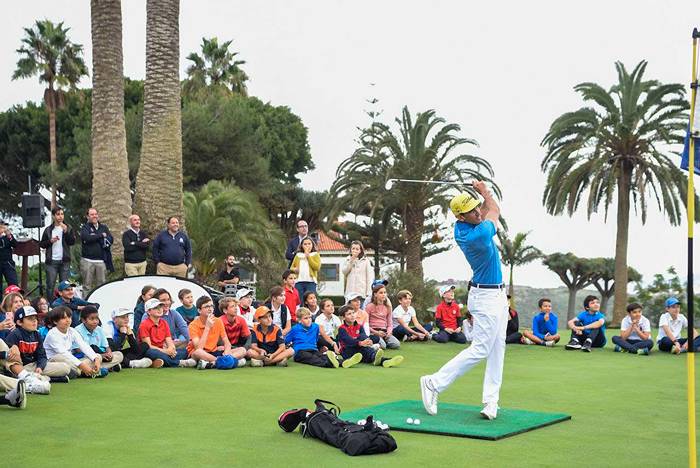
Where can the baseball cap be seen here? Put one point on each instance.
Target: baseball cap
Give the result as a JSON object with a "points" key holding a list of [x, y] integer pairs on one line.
{"points": [[463, 203], [261, 312], [26, 311], [121, 312], [671, 301], [444, 289], [378, 282], [243, 292], [13, 288], [353, 295], [152, 304], [63, 285]]}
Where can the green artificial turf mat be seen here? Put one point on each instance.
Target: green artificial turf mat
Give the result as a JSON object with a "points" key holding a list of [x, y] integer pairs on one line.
{"points": [[456, 420]]}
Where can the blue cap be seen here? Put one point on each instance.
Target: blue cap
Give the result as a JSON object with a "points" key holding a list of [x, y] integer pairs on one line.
{"points": [[671, 301], [226, 362], [378, 282], [63, 285]]}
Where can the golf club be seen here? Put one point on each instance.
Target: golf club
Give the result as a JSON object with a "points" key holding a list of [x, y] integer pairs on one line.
{"points": [[390, 182]]}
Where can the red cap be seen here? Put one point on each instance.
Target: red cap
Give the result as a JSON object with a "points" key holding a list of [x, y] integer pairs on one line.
{"points": [[13, 288]]}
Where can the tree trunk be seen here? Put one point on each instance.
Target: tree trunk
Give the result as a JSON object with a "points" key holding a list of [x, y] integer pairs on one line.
{"points": [[571, 310], [51, 106], [604, 299], [511, 288], [159, 180], [414, 233], [623, 219], [111, 194]]}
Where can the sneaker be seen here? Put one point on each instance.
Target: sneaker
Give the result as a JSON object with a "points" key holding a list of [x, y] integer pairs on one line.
{"points": [[241, 362], [116, 368], [103, 373], [644, 351], [490, 411], [187, 363], [393, 362], [61, 379], [573, 344], [429, 395], [282, 363], [352, 360], [157, 364], [586, 348], [378, 357], [201, 364], [333, 359], [37, 386], [617, 349], [140, 363], [256, 363], [549, 343], [17, 397], [526, 340]]}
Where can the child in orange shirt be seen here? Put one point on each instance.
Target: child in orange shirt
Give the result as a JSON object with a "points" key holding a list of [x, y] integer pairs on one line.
{"points": [[205, 333]]}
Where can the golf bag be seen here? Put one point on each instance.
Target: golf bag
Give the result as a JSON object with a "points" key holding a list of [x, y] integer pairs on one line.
{"points": [[324, 424]]}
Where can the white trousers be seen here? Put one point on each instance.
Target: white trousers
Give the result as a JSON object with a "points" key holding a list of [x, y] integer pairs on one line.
{"points": [[489, 307]]}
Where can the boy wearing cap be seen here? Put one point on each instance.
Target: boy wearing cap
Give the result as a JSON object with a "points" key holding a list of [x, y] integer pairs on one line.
{"points": [[671, 325], [447, 318], [303, 338], [267, 347], [588, 327], [354, 300], [245, 299], [281, 314], [92, 333], [176, 324], [121, 337], [66, 297], [291, 295], [206, 332], [235, 326], [33, 366], [155, 332], [635, 332]]}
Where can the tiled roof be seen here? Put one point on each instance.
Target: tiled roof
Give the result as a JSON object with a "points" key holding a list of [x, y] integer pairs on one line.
{"points": [[326, 244]]}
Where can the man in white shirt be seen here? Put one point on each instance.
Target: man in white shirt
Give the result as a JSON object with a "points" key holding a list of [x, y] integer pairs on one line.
{"points": [[56, 240], [671, 324], [635, 332]]}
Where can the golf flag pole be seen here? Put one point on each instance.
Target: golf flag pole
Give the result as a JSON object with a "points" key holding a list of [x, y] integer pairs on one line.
{"points": [[693, 129]]}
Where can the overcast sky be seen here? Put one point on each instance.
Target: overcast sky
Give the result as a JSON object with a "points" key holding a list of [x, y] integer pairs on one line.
{"points": [[501, 70]]}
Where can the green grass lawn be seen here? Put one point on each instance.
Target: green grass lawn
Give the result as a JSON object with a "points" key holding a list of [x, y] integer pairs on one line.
{"points": [[627, 411]]}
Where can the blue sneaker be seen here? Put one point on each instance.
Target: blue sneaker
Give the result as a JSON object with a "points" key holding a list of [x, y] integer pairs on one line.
{"points": [[617, 349], [644, 351], [103, 373]]}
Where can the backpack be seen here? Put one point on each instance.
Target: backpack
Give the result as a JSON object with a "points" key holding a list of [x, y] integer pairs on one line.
{"points": [[353, 439]]}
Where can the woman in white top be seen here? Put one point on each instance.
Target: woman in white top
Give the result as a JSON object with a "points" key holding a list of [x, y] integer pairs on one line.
{"points": [[306, 265], [358, 271]]}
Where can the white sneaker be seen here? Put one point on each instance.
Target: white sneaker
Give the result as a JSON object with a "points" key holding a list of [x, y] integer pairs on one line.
{"points": [[256, 363], [549, 343], [201, 364], [241, 362], [140, 363], [490, 411], [187, 363], [18, 396], [527, 340], [37, 386], [429, 395]]}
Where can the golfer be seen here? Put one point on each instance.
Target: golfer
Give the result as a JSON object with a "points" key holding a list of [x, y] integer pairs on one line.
{"points": [[474, 232]]}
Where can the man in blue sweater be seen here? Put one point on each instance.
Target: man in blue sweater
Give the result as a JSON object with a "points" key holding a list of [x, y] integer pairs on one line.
{"points": [[303, 338], [172, 251], [544, 326]]}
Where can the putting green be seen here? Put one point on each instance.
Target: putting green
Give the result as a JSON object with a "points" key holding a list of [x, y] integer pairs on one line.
{"points": [[455, 419]]}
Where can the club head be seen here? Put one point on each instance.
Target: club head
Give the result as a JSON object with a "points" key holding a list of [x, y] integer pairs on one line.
{"points": [[389, 184]]}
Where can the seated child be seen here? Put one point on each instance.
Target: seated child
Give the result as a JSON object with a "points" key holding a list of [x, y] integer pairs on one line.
{"points": [[14, 392], [66, 297], [92, 333], [59, 342], [155, 332], [635, 332], [671, 325], [121, 337], [588, 327], [544, 326], [187, 310], [281, 315], [206, 332], [291, 296], [468, 325], [380, 322], [405, 322], [176, 324], [354, 300], [303, 337], [311, 302], [235, 326], [513, 335], [328, 324], [267, 347], [245, 299], [447, 317], [356, 346], [32, 365]]}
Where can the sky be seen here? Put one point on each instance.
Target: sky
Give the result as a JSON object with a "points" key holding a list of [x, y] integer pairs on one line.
{"points": [[502, 70]]}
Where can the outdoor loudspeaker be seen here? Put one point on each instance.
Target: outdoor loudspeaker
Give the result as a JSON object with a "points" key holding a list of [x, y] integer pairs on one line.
{"points": [[32, 210]]}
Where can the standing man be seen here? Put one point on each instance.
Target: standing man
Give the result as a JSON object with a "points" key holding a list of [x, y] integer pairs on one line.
{"points": [[7, 265], [135, 243], [230, 274], [487, 302], [57, 239], [96, 243], [293, 245], [172, 252]]}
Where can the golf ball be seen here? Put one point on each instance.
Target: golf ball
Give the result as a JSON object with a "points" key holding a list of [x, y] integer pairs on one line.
{"points": [[409, 420], [416, 421]]}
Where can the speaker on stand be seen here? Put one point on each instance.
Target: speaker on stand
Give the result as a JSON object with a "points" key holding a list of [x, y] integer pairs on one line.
{"points": [[33, 217]]}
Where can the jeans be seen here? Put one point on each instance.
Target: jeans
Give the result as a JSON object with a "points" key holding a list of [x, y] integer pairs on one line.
{"points": [[303, 287], [7, 269], [169, 361], [313, 358], [632, 345], [666, 344], [54, 270], [443, 337], [596, 335], [400, 332], [514, 338]]}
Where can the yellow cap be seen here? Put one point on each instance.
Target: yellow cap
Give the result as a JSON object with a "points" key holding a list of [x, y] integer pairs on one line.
{"points": [[463, 203]]}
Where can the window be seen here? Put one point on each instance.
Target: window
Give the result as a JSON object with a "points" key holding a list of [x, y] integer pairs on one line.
{"points": [[329, 272]]}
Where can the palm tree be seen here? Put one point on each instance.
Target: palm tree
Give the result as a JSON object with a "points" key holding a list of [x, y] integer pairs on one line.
{"points": [[514, 252], [426, 149], [618, 145], [225, 220], [217, 66], [48, 52], [111, 193], [159, 180]]}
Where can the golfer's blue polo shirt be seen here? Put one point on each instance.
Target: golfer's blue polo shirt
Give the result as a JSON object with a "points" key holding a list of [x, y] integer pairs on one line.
{"points": [[476, 242]]}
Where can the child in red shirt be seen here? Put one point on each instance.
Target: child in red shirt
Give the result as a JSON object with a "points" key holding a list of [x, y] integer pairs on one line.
{"points": [[447, 318], [291, 295]]}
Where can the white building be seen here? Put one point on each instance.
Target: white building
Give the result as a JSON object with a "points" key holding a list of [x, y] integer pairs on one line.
{"points": [[333, 253]]}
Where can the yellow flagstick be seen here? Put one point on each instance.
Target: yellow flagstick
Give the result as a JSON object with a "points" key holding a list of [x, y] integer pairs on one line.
{"points": [[692, 455]]}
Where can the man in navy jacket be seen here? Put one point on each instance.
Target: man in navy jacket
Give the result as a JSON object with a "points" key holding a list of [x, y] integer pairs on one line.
{"points": [[96, 243], [172, 251]]}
